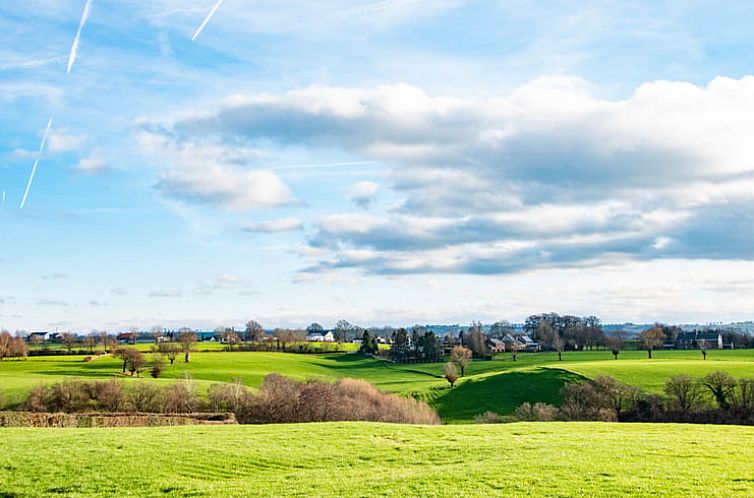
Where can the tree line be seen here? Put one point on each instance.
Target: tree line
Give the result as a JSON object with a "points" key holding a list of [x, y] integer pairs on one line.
{"points": [[716, 398]]}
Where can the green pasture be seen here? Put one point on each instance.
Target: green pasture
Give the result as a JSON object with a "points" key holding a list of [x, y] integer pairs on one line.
{"points": [[498, 385], [365, 459]]}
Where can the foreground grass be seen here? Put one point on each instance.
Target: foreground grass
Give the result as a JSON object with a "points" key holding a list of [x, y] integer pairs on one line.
{"points": [[499, 385], [357, 459]]}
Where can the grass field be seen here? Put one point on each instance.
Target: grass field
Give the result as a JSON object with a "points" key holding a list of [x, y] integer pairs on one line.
{"points": [[358, 459], [499, 385]]}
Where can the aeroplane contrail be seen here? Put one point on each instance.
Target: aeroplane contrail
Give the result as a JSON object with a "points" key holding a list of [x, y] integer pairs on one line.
{"points": [[75, 46], [206, 19], [36, 163]]}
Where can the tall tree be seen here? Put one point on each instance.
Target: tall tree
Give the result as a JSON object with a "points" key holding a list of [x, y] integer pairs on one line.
{"points": [[187, 340], [460, 356], [651, 339], [68, 340], [254, 331]]}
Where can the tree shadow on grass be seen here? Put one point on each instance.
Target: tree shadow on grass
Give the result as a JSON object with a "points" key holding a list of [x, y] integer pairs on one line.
{"points": [[501, 393]]}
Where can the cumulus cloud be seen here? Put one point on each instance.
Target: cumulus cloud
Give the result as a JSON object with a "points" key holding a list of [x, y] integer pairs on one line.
{"points": [[62, 141], [363, 193], [91, 165], [548, 175], [214, 174], [274, 226]]}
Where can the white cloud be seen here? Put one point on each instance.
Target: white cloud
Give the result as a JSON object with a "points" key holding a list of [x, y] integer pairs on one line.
{"points": [[214, 174], [363, 193], [549, 174], [273, 226], [91, 165], [62, 141]]}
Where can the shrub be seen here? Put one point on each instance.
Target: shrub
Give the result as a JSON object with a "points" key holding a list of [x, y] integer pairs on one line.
{"points": [[157, 365], [37, 400], [228, 397], [69, 396], [110, 396], [539, 412], [143, 397], [489, 417], [283, 400], [180, 397]]}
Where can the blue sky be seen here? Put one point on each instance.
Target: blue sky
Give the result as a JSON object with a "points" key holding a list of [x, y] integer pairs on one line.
{"points": [[387, 162]]}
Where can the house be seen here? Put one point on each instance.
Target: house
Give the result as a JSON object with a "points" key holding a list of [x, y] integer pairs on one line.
{"points": [[43, 336], [520, 342], [496, 345], [210, 336], [699, 340], [321, 337], [529, 344]]}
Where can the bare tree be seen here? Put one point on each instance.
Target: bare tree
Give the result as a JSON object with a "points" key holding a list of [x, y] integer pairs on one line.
{"points": [[135, 361], [615, 342], [104, 339], [90, 342], [461, 357], [6, 341], [721, 385], [68, 340], [651, 339], [169, 350], [254, 331], [156, 332], [451, 374], [685, 392], [187, 340]]}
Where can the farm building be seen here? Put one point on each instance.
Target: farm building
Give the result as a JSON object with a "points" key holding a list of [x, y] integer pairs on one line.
{"points": [[699, 340], [321, 337]]}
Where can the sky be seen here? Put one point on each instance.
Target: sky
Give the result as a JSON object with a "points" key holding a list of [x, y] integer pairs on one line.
{"points": [[385, 162]]}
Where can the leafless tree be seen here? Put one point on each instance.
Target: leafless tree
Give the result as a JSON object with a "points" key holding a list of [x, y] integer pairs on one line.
{"points": [[685, 392], [187, 340], [170, 350], [461, 357], [68, 340], [156, 332], [254, 331], [451, 374], [651, 339]]}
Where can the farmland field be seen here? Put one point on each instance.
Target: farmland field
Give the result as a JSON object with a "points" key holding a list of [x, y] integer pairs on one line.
{"points": [[499, 385], [364, 459]]}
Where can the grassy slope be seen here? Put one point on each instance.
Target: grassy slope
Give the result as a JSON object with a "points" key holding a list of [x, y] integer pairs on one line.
{"points": [[351, 459], [498, 385]]}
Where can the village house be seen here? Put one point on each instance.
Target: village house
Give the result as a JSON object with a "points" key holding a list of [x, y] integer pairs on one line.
{"points": [[699, 340]]}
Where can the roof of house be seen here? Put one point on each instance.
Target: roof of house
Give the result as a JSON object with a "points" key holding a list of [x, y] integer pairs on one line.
{"points": [[698, 336]]}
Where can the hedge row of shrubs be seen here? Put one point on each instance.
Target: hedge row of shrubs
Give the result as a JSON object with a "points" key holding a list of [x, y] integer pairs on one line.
{"points": [[284, 400], [716, 398], [279, 400], [30, 419]]}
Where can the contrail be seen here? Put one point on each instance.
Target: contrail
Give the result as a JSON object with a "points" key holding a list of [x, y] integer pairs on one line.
{"points": [[36, 163], [75, 46], [206, 19]]}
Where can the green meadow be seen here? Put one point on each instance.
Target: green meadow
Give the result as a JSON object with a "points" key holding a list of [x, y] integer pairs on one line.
{"points": [[499, 385], [366, 459]]}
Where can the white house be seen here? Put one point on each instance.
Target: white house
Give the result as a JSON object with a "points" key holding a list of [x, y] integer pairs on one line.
{"points": [[321, 337]]}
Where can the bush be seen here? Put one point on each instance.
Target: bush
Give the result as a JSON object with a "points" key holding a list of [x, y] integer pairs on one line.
{"points": [[283, 400], [110, 395], [180, 398], [489, 417], [157, 365], [70, 396], [539, 412], [228, 397], [143, 397]]}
